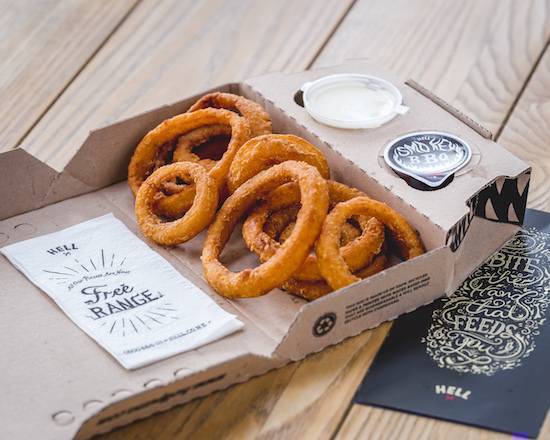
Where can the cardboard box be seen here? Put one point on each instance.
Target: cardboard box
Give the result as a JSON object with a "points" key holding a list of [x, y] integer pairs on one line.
{"points": [[58, 383]]}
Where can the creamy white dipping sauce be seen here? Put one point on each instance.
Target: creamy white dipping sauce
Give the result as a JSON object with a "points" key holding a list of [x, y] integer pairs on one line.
{"points": [[352, 101]]}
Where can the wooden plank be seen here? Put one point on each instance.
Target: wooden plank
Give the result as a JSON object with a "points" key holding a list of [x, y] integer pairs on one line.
{"points": [[475, 55], [43, 45], [527, 133], [368, 422], [171, 49]]}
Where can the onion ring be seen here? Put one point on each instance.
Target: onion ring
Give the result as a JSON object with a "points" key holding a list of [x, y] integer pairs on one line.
{"points": [[258, 119], [356, 254], [289, 257], [279, 221], [147, 152], [175, 207], [311, 290], [259, 123], [331, 264], [261, 152], [194, 221], [348, 233], [186, 143], [177, 202]]}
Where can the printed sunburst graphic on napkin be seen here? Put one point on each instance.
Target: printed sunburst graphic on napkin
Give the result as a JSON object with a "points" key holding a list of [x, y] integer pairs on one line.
{"points": [[124, 295]]}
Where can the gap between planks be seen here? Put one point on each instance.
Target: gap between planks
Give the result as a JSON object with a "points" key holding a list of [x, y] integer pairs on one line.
{"points": [[522, 90], [330, 35]]}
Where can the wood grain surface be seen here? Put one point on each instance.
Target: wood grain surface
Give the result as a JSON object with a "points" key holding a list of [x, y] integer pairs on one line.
{"points": [[489, 58], [368, 422], [167, 50], [527, 133], [474, 54], [43, 46], [257, 408]]}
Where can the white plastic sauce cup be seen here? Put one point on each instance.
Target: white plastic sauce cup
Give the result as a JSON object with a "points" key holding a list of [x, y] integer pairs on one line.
{"points": [[351, 100]]}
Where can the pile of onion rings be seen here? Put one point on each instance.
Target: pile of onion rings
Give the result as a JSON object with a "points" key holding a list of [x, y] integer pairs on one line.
{"points": [[311, 234]]}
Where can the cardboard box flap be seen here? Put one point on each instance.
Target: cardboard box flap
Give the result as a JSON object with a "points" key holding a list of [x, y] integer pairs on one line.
{"points": [[149, 401], [25, 182], [364, 147], [30, 183], [75, 383]]}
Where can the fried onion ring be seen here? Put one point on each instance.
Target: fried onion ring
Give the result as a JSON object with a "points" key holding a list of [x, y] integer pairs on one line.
{"points": [[258, 119], [176, 204], [146, 155], [289, 257], [348, 234], [279, 221], [259, 123], [194, 221], [187, 142], [356, 254], [262, 152], [311, 290], [176, 207], [331, 264]]}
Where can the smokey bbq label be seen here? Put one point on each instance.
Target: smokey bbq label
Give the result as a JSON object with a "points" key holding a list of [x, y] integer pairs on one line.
{"points": [[428, 157]]}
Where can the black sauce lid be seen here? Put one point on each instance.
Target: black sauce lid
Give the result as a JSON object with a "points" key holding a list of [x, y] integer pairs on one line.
{"points": [[427, 160]]}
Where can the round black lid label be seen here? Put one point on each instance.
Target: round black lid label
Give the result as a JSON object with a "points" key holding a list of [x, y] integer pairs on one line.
{"points": [[429, 157]]}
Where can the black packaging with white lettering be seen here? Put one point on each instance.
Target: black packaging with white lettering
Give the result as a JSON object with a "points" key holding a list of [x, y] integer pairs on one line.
{"points": [[480, 356]]}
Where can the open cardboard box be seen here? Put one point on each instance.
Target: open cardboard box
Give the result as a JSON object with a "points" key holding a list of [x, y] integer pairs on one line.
{"points": [[58, 383]]}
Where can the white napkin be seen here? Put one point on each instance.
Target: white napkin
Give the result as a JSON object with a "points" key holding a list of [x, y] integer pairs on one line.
{"points": [[124, 295]]}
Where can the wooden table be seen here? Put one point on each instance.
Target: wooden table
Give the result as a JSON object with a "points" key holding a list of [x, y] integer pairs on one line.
{"points": [[69, 66]]}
